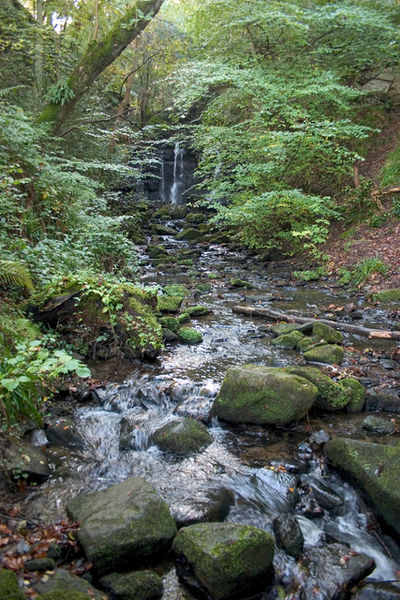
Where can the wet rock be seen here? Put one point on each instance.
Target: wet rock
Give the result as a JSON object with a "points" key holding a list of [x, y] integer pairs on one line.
{"points": [[263, 395], [136, 585], [40, 564], [374, 469], [176, 289], [64, 583], [284, 328], [333, 570], [9, 588], [281, 487], [64, 433], [288, 340], [319, 438], [327, 333], [170, 337], [122, 525], [378, 591], [387, 364], [224, 560], [182, 436], [215, 507], [330, 354], [169, 304], [190, 235], [288, 534], [324, 494], [189, 336], [309, 507], [197, 407], [382, 401], [307, 343], [155, 251], [377, 425], [357, 394], [332, 396], [22, 459], [170, 323]]}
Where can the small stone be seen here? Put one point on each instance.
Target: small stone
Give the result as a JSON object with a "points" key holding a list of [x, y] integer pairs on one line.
{"points": [[182, 436], [136, 585], [40, 564], [387, 364], [189, 336], [377, 425], [288, 534], [319, 438]]}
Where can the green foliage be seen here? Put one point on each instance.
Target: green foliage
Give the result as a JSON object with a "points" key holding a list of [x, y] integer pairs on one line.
{"points": [[363, 271], [14, 273], [310, 274], [27, 375], [390, 173], [60, 93]]}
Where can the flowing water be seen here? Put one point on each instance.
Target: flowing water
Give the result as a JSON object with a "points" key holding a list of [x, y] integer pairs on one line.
{"points": [[248, 474]]}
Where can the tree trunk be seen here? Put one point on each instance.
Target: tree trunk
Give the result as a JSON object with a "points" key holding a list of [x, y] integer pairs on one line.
{"points": [[279, 316], [98, 56]]}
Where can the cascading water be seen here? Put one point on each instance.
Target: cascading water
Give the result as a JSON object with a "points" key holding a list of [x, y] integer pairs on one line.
{"points": [[178, 184], [163, 191]]}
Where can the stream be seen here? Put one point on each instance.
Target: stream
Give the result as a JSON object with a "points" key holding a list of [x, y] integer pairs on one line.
{"points": [[249, 474]]}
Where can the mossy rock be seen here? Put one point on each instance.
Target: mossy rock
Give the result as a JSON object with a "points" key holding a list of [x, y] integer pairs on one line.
{"points": [[189, 235], [284, 328], [306, 343], [241, 283], [170, 323], [330, 354], [126, 524], [185, 262], [374, 469], [176, 289], [224, 560], [263, 395], [332, 396], [136, 585], [182, 436], [21, 459], [64, 583], [378, 425], [189, 336], [357, 394], [197, 311], [163, 229], [392, 295], [183, 318], [102, 318], [64, 595], [195, 218], [163, 213], [327, 333], [156, 251], [203, 287], [169, 304], [288, 340], [9, 588], [170, 336]]}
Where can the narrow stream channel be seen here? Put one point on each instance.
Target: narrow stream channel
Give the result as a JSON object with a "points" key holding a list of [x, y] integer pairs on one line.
{"points": [[248, 474]]}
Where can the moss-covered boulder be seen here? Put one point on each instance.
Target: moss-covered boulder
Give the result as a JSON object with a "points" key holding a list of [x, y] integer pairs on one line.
{"points": [[327, 333], [241, 283], [176, 289], [307, 342], [264, 395], [196, 218], [189, 336], [198, 310], [357, 394], [182, 436], [183, 318], [123, 525], [156, 251], [170, 323], [169, 304], [288, 340], [136, 585], [65, 584], [332, 396], [284, 328], [330, 354], [9, 588], [392, 295], [224, 560], [190, 235], [374, 469], [101, 318]]}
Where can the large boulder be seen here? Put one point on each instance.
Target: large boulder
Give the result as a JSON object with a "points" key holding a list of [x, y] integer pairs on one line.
{"points": [[288, 534], [224, 560], [327, 333], [330, 354], [374, 469], [182, 436], [263, 395], [123, 525]]}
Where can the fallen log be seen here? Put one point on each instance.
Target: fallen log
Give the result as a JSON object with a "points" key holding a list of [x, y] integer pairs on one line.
{"points": [[280, 316]]}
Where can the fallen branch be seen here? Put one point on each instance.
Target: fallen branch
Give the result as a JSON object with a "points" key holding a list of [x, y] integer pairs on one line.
{"points": [[279, 316]]}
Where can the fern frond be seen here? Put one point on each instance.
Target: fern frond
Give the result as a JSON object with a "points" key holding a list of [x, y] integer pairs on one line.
{"points": [[14, 273]]}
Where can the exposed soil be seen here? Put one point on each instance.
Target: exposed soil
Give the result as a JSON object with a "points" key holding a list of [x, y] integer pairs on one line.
{"points": [[363, 241]]}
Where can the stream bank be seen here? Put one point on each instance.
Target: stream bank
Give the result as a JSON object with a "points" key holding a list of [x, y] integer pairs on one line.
{"points": [[246, 474]]}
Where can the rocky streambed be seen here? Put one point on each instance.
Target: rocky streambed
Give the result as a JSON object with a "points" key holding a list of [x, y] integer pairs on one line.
{"points": [[259, 468]]}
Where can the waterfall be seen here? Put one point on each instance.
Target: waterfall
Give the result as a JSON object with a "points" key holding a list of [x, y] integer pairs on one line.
{"points": [[178, 181], [163, 194]]}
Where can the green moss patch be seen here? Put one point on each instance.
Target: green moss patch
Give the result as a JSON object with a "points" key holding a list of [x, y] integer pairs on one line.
{"points": [[169, 304], [136, 585], [170, 323], [392, 295], [327, 333], [330, 354], [332, 396], [182, 436], [176, 289], [288, 340], [197, 311], [188, 335], [241, 283], [9, 588]]}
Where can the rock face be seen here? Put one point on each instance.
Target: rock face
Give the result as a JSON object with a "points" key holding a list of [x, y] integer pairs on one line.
{"points": [[182, 436], [224, 560], [137, 585], [123, 525], [263, 395], [374, 469]]}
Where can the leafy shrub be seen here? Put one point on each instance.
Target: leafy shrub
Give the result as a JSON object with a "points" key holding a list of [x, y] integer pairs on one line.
{"points": [[363, 271], [27, 375], [310, 274]]}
